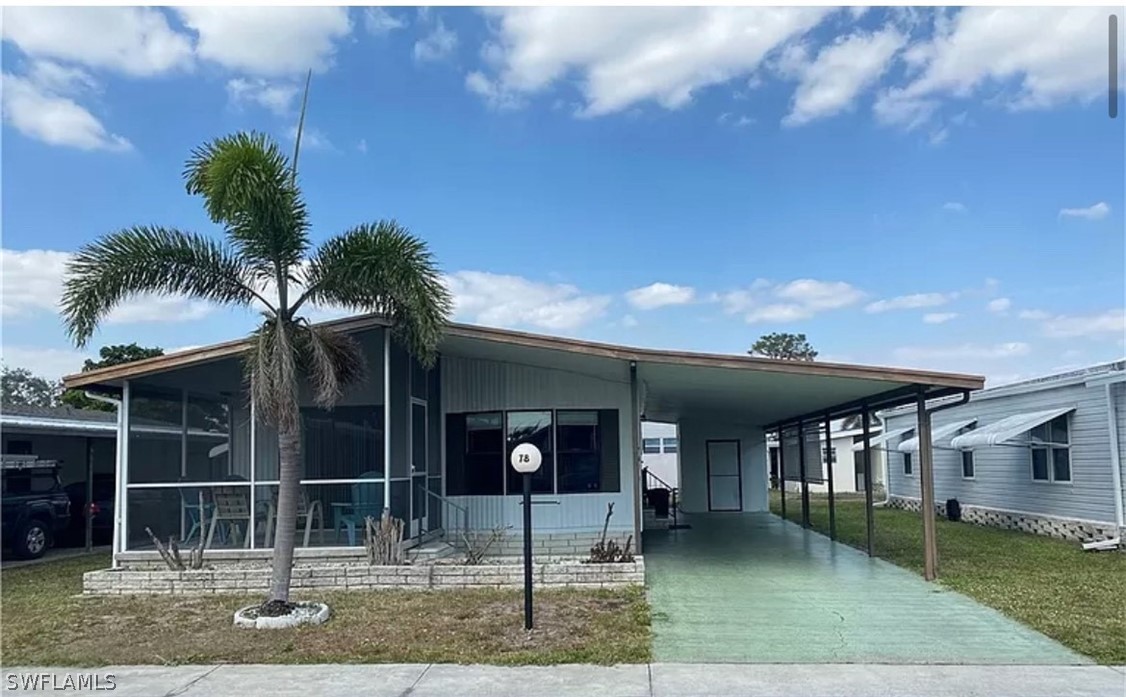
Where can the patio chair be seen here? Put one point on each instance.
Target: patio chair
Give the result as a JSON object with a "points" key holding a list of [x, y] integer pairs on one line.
{"points": [[195, 511], [231, 504], [367, 500], [309, 510]]}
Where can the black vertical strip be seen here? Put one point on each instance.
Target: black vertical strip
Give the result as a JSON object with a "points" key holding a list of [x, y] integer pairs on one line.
{"points": [[1112, 92]]}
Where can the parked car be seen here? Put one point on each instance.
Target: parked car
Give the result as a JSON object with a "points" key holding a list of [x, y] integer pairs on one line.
{"points": [[34, 508], [102, 507]]}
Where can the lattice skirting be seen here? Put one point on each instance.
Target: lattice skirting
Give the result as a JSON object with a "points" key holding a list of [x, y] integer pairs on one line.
{"points": [[1051, 526]]}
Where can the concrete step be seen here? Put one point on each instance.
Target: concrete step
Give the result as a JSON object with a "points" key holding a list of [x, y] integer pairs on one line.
{"points": [[433, 550]]}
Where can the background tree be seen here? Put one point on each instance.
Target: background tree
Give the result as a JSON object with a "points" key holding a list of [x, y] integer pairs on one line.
{"points": [[249, 188], [19, 387], [114, 354], [790, 347]]}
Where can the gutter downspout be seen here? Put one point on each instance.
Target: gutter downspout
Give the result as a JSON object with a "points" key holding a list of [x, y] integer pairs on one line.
{"points": [[1115, 458], [118, 454]]}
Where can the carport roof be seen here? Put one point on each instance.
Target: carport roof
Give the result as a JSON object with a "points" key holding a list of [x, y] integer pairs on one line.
{"points": [[676, 384]]}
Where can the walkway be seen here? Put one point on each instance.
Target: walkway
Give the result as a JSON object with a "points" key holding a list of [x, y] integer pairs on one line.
{"points": [[656, 680], [752, 588]]}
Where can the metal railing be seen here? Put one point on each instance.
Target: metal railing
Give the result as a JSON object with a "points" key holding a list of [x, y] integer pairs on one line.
{"points": [[461, 510], [652, 481]]}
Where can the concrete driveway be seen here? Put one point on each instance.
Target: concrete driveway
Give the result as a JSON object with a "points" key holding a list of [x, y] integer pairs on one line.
{"points": [[752, 588]]}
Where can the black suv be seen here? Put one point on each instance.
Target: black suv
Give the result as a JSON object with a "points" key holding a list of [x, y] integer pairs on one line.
{"points": [[35, 508]]}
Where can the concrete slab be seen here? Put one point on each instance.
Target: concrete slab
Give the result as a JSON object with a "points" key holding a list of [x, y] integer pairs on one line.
{"points": [[130, 681], [388, 680], [752, 588], [534, 681]]}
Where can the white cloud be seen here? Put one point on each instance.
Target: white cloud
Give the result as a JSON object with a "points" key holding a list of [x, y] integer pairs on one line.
{"points": [[513, 301], [939, 317], [734, 120], [909, 302], [277, 97], [1096, 212], [1111, 323], [621, 57], [438, 45], [967, 351], [42, 114], [999, 305], [32, 283], [311, 138], [629, 321], [380, 22], [132, 40], [1042, 56], [268, 40], [495, 96], [1033, 314], [659, 295], [841, 72], [765, 301], [954, 207], [49, 363]]}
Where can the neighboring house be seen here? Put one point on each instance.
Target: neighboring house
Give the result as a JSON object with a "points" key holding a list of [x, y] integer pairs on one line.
{"points": [[659, 448], [847, 458], [433, 445], [80, 440], [1043, 456]]}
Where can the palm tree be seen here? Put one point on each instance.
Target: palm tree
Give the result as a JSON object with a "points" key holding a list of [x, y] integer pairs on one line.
{"points": [[249, 187]]}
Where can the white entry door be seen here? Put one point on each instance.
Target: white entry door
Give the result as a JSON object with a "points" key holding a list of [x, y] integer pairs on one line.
{"points": [[725, 476]]}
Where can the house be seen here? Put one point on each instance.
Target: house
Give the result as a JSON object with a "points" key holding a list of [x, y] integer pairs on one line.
{"points": [[432, 445], [1044, 455], [659, 448], [847, 453]]}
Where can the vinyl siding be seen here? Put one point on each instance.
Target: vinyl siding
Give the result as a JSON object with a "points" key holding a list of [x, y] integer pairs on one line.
{"points": [[470, 384], [1003, 474]]}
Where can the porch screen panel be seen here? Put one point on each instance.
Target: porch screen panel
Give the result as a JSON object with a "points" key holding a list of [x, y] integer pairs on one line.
{"points": [[791, 455], [156, 432], [814, 462]]}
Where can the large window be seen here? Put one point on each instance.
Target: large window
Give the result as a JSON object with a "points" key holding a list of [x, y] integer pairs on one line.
{"points": [[580, 451], [1051, 451]]}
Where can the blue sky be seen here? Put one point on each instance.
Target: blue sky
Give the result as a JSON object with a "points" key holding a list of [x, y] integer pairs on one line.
{"points": [[933, 188]]}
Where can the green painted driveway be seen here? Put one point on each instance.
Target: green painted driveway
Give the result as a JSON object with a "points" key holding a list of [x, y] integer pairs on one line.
{"points": [[752, 588]]}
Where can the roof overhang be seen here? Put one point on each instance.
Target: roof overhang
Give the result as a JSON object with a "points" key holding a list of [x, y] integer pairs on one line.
{"points": [[1008, 428], [911, 445], [883, 438]]}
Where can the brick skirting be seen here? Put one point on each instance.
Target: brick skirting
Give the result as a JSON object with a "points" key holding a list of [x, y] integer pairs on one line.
{"points": [[1050, 526], [338, 577]]}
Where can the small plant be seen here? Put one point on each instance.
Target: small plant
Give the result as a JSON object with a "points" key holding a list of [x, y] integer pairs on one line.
{"points": [[609, 551], [383, 540], [475, 550], [171, 553]]}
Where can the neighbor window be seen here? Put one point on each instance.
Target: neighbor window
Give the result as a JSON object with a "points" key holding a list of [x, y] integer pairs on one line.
{"points": [[580, 451], [670, 445], [907, 463], [651, 446], [967, 464], [1051, 451]]}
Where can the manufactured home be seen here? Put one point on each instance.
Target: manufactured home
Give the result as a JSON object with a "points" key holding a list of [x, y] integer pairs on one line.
{"points": [[432, 444], [1043, 456]]}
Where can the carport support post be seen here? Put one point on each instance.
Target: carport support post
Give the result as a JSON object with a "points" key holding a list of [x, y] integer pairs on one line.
{"points": [[868, 522], [89, 512], [782, 471], [829, 460], [635, 437], [926, 489], [804, 483]]}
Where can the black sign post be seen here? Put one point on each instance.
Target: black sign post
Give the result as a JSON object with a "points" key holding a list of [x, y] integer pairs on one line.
{"points": [[526, 459]]}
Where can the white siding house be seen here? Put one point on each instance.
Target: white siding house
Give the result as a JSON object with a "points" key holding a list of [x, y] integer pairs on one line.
{"points": [[660, 452], [1043, 456]]}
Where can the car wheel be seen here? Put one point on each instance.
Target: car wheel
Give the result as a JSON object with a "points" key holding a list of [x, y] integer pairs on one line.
{"points": [[30, 541]]}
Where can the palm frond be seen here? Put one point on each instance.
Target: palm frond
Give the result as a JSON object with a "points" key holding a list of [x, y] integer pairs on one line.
{"points": [[248, 186], [271, 365], [383, 268], [147, 260], [333, 361]]}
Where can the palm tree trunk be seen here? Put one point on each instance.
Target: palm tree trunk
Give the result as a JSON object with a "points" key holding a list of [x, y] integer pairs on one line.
{"points": [[289, 455]]}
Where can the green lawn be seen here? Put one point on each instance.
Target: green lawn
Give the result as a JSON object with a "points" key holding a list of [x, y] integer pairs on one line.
{"points": [[1055, 587], [47, 622]]}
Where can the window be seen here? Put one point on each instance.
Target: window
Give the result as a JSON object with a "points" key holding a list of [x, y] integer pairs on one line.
{"points": [[670, 445], [967, 464], [650, 446], [533, 427], [829, 454], [907, 464], [1051, 452], [581, 451]]}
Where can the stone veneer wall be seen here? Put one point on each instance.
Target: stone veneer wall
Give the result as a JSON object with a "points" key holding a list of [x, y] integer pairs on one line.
{"points": [[1062, 528], [343, 576], [555, 544]]}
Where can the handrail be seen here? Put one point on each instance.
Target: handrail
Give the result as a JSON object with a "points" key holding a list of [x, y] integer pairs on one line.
{"points": [[461, 509], [649, 473]]}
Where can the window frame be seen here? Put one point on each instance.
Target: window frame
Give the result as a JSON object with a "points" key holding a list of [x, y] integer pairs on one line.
{"points": [[645, 446], [908, 465], [1049, 448], [675, 450], [973, 465]]}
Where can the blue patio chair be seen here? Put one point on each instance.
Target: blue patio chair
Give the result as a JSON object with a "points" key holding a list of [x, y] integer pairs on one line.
{"points": [[367, 500], [195, 512]]}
